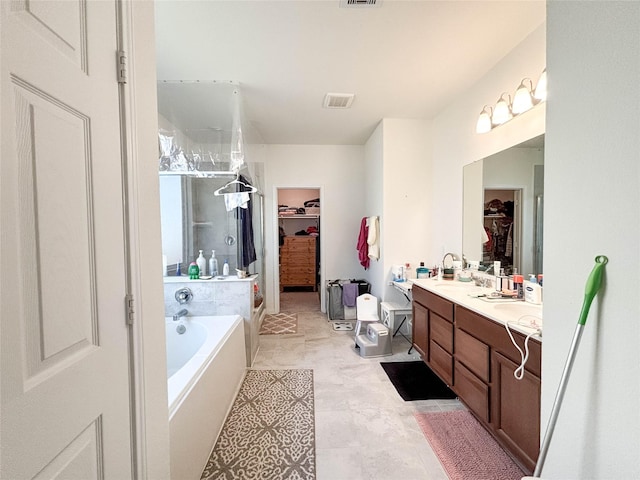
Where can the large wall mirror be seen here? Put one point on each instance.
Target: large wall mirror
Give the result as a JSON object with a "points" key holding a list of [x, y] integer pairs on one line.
{"points": [[503, 208]]}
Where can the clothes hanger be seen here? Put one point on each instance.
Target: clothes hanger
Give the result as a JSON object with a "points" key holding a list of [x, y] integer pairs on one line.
{"points": [[221, 191]]}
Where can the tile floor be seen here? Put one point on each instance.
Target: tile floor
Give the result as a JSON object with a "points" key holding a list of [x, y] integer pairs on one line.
{"points": [[364, 430]]}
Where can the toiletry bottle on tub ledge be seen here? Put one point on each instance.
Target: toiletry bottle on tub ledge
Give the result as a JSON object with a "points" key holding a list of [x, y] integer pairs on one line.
{"points": [[225, 268]]}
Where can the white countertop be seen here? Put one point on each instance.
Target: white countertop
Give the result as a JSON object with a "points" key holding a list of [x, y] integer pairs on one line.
{"points": [[519, 314]]}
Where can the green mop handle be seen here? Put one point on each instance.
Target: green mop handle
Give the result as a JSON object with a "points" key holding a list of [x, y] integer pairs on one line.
{"points": [[593, 285]]}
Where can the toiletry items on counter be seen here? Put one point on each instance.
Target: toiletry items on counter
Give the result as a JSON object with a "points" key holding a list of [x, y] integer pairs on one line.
{"points": [[225, 268], [533, 292], [202, 264], [518, 286], [422, 271], [213, 264], [194, 271]]}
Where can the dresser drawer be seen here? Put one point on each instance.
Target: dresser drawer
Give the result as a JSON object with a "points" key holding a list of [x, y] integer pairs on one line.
{"points": [[441, 331], [473, 354], [472, 391], [297, 279], [297, 259]]}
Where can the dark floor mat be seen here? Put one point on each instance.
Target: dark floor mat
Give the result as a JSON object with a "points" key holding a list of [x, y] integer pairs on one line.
{"points": [[416, 381]]}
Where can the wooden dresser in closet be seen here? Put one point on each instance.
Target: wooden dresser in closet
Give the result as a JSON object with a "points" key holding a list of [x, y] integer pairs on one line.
{"points": [[298, 262]]}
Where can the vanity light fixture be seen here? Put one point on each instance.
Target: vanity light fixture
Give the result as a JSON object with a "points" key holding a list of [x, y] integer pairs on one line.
{"points": [[540, 93], [484, 124], [502, 111], [523, 98]]}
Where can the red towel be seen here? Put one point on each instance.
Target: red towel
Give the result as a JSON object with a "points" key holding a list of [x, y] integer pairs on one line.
{"points": [[363, 246]]}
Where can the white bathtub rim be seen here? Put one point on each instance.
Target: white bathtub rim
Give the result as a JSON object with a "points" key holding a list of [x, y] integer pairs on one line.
{"points": [[199, 363]]}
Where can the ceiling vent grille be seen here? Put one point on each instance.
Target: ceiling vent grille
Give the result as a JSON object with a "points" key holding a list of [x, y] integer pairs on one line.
{"points": [[338, 100], [359, 3]]}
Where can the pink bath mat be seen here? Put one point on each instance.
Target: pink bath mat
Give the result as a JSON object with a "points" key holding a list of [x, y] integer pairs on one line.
{"points": [[465, 449]]}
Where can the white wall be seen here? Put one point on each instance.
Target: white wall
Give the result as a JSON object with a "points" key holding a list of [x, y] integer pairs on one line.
{"points": [[374, 203], [407, 216], [591, 207], [338, 171]]}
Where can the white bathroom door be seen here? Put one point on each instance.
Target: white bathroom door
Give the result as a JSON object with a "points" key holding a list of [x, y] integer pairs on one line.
{"points": [[64, 408]]}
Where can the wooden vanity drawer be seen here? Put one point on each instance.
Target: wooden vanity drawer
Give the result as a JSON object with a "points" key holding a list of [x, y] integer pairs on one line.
{"points": [[473, 354], [433, 302], [472, 391], [441, 362], [442, 307], [441, 332]]}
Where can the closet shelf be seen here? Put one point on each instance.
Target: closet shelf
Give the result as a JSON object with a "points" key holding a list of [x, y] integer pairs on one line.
{"points": [[300, 215]]}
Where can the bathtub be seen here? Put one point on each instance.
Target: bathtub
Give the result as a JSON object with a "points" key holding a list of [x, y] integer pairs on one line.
{"points": [[205, 366]]}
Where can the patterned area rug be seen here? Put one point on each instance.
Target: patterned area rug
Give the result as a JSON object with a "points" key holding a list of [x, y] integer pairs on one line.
{"points": [[465, 449], [270, 431], [279, 323]]}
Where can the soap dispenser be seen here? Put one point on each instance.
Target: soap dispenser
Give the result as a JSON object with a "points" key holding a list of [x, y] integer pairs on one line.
{"points": [[202, 264], [225, 268]]}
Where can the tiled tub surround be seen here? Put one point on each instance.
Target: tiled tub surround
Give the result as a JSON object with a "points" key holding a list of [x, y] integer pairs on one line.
{"points": [[231, 296]]}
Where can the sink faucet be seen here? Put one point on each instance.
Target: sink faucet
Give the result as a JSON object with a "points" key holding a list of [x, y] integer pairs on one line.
{"points": [[179, 314], [453, 256]]}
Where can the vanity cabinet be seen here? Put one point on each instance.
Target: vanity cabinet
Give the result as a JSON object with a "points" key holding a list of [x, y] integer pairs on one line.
{"points": [[474, 355], [433, 332]]}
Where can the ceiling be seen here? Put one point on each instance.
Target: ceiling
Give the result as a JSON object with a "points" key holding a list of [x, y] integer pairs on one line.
{"points": [[401, 59]]}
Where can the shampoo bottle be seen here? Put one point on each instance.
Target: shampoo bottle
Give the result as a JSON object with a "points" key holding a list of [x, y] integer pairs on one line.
{"points": [[213, 264], [202, 264], [225, 268]]}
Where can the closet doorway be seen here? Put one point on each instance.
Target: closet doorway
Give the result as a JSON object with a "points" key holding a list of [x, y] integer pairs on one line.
{"points": [[503, 228], [299, 247]]}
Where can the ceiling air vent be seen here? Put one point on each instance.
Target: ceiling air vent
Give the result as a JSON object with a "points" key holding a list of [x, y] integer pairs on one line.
{"points": [[338, 100], [360, 3]]}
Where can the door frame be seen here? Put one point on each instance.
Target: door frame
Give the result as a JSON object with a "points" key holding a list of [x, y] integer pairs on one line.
{"points": [[275, 244], [147, 350]]}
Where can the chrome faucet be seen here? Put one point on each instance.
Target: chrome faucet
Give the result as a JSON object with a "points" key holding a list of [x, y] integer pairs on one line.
{"points": [[453, 256], [182, 313]]}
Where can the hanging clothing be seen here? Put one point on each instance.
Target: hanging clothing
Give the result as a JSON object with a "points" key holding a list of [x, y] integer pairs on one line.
{"points": [[362, 246], [508, 252], [372, 238], [245, 215]]}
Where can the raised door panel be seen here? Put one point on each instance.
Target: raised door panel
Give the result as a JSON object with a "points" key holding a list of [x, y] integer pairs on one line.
{"points": [[442, 307], [516, 410], [420, 327]]}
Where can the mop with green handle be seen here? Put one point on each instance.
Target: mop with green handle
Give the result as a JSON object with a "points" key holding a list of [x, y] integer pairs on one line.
{"points": [[593, 285]]}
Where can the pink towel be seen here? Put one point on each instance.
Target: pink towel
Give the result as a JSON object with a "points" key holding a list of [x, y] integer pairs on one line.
{"points": [[349, 294], [362, 246]]}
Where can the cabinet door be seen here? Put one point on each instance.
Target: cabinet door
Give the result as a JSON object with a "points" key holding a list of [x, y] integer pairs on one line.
{"points": [[516, 409], [420, 329]]}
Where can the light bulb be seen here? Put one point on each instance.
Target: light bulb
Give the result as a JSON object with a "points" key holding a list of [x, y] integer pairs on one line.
{"points": [[502, 111], [484, 120], [541, 89], [522, 100]]}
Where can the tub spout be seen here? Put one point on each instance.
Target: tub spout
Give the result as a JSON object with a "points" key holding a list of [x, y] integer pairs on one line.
{"points": [[182, 313]]}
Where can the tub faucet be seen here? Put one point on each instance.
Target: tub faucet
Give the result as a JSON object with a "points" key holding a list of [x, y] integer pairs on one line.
{"points": [[181, 313]]}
